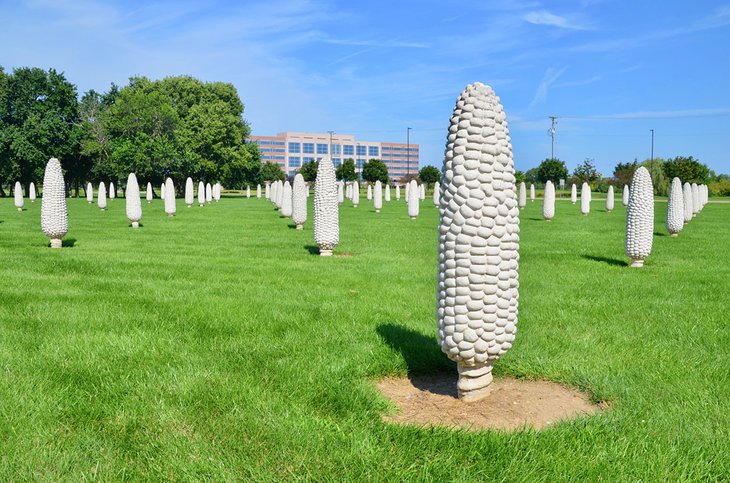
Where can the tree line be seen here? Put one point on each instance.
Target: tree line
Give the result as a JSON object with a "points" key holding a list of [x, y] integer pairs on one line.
{"points": [[174, 127], [662, 171]]}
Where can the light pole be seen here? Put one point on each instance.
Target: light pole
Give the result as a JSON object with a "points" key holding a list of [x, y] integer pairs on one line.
{"points": [[408, 152], [652, 144]]}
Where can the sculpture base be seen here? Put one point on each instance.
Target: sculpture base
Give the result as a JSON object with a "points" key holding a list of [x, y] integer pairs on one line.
{"points": [[377, 211], [413, 217], [548, 219], [171, 214], [20, 209], [474, 382], [149, 201], [300, 227], [56, 243], [609, 211], [325, 253], [674, 234], [201, 205], [190, 205], [135, 224], [354, 206], [637, 262]]}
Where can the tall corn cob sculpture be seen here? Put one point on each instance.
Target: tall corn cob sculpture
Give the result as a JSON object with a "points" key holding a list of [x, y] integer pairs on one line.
{"points": [[201, 194], [133, 204], [378, 197], [522, 195], [675, 208], [208, 193], [267, 193], [162, 192], [387, 192], [112, 191], [436, 193], [370, 192], [687, 198], [31, 192], [248, 191], [299, 202], [548, 201], [422, 191], [54, 214], [101, 197], [625, 196], [532, 192], [326, 214], [478, 241], [585, 199], [340, 192], [18, 192], [573, 194], [258, 191], [170, 207], [286, 200], [414, 199], [640, 218], [355, 194], [189, 192], [695, 199], [89, 193], [149, 194], [609, 199], [397, 192]]}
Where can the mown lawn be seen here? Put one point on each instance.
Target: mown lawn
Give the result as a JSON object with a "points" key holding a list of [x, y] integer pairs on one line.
{"points": [[215, 345]]}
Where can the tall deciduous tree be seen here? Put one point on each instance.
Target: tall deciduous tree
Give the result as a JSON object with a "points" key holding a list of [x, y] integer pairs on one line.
{"points": [[429, 175], [309, 171], [552, 170], [375, 170], [687, 169], [586, 172], [271, 172], [346, 170]]}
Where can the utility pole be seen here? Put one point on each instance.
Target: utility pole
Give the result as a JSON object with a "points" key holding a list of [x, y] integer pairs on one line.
{"points": [[652, 144], [408, 152], [553, 122], [330, 148]]}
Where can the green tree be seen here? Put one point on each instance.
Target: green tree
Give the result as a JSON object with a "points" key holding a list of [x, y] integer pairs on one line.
{"points": [[531, 176], [552, 170], [586, 172], [38, 112], [519, 176], [309, 170], [623, 173], [429, 175], [271, 172], [375, 170], [346, 170], [688, 169]]}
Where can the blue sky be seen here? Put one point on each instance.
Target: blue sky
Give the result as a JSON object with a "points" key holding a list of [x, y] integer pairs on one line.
{"points": [[610, 70]]}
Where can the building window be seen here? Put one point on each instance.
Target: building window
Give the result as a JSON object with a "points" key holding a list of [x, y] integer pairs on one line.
{"points": [[336, 149], [336, 161], [295, 161], [348, 150], [307, 159], [373, 151], [295, 147], [360, 163], [321, 149], [360, 150], [308, 148]]}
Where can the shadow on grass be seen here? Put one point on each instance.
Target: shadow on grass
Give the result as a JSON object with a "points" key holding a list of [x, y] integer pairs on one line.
{"points": [[292, 226], [535, 219], [658, 233], [312, 249], [610, 261], [423, 357]]}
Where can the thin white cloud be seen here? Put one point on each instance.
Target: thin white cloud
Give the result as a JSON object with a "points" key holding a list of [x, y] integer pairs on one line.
{"points": [[543, 17], [394, 43], [678, 114], [551, 75], [578, 83]]}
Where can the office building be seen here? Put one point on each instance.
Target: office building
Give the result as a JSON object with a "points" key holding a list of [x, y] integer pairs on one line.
{"points": [[292, 149]]}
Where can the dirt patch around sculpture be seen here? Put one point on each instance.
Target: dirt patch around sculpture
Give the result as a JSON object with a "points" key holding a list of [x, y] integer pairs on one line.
{"points": [[513, 404]]}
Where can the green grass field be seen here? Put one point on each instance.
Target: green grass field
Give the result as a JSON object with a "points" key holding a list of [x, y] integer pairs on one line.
{"points": [[216, 345]]}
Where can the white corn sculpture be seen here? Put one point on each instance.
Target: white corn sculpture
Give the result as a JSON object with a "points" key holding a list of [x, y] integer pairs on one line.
{"points": [[208, 193], [585, 199], [609, 199], [397, 192], [133, 204], [695, 199], [414, 198], [625, 196], [378, 197], [370, 193], [89, 193], [201, 194], [248, 191], [355, 194], [436, 193], [258, 191], [101, 197], [573, 194], [640, 218], [532, 192], [189, 192], [522, 195], [267, 193], [387, 192], [340, 192], [149, 194], [18, 196], [170, 207], [422, 191], [162, 192], [31, 192], [675, 208], [478, 241], [299, 201], [286, 200], [112, 191], [687, 199], [326, 215], [548, 201], [54, 214]]}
